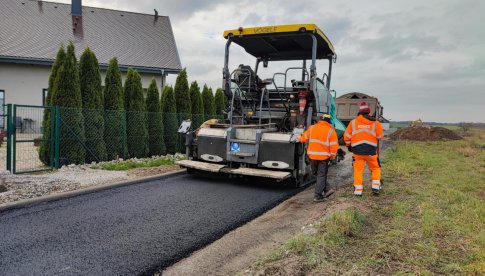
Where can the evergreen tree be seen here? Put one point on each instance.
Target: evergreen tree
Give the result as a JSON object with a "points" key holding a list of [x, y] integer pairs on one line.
{"points": [[220, 102], [92, 103], [182, 95], [114, 114], [67, 96], [170, 121], [208, 102], [45, 146], [136, 117], [156, 144], [196, 106]]}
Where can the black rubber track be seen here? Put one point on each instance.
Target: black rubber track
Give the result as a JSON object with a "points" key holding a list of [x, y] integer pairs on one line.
{"points": [[130, 230]]}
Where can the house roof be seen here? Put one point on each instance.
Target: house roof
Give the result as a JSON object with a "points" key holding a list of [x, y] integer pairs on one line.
{"points": [[32, 31]]}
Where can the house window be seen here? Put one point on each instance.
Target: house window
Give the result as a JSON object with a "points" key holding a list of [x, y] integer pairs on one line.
{"points": [[44, 96], [2, 109]]}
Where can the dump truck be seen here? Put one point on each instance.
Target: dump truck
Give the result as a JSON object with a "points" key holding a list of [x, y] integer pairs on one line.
{"points": [[265, 114], [348, 106]]}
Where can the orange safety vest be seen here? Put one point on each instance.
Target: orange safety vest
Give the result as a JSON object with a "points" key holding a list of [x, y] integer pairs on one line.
{"points": [[323, 141], [363, 131]]}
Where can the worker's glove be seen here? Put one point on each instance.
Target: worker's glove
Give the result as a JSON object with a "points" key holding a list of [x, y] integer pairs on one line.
{"points": [[349, 148], [294, 141]]}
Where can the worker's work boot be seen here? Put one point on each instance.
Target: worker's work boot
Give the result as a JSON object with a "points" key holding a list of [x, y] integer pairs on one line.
{"points": [[376, 186], [319, 199], [358, 189], [329, 193]]}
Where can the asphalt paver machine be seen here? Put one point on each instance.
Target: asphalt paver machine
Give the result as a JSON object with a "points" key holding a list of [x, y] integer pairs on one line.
{"points": [[265, 114]]}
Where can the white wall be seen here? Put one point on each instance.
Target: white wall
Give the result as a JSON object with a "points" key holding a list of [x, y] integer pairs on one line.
{"points": [[23, 84]]}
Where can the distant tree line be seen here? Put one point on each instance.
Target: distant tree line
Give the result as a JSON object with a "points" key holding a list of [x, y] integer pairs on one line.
{"points": [[119, 121]]}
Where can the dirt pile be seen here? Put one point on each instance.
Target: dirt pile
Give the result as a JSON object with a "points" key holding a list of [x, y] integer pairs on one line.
{"points": [[425, 134]]}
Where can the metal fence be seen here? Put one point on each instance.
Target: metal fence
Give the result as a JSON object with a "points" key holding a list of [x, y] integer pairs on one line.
{"points": [[41, 138]]}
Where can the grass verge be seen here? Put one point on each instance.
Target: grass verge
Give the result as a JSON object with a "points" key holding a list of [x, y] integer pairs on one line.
{"points": [[429, 219], [138, 163]]}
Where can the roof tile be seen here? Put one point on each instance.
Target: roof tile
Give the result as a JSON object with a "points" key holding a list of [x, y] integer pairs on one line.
{"points": [[36, 29]]}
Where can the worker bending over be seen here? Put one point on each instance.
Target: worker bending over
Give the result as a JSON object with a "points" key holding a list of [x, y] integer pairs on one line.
{"points": [[322, 147], [361, 138]]}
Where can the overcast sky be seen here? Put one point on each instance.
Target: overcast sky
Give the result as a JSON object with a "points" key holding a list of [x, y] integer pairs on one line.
{"points": [[422, 59]]}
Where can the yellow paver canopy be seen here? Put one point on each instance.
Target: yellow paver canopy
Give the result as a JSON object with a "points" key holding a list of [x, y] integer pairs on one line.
{"points": [[282, 42]]}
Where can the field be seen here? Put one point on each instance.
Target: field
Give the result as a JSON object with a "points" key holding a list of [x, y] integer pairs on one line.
{"points": [[406, 124], [429, 219]]}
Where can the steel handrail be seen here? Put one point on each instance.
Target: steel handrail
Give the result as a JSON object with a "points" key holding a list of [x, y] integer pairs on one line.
{"points": [[285, 101]]}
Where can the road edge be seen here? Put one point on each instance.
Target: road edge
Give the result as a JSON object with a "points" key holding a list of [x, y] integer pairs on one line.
{"points": [[53, 197]]}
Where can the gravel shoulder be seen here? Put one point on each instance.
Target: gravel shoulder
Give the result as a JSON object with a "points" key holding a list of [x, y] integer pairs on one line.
{"points": [[239, 249], [66, 179]]}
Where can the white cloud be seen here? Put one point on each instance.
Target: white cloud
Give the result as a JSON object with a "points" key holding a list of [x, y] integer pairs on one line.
{"points": [[423, 59]]}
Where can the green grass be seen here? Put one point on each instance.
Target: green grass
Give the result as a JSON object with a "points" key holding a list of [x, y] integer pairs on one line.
{"points": [[332, 232], [429, 219], [132, 164]]}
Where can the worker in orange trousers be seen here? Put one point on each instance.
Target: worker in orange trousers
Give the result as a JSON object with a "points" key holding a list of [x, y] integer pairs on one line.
{"points": [[361, 138]]}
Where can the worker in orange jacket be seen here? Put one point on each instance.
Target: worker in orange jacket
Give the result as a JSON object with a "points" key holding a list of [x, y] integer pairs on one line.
{"points": [[361, 138], [322, 147]]}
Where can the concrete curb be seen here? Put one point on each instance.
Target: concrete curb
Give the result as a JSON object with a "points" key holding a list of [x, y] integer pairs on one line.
{"points": [[54, 197]]}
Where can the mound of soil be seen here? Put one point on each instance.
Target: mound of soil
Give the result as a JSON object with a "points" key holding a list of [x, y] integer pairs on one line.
{"points": [[425, 134]]}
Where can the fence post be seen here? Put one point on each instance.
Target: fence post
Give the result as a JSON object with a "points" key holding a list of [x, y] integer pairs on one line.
{"points": [[57, 135], [52, 135], [9, 137], [14, 138], [125, 135]]}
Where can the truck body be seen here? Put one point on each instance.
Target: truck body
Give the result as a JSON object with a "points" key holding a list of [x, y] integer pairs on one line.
{"points": [[348, 106]]}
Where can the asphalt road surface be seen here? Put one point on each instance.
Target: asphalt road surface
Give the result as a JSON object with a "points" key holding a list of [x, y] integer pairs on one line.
{"points": [[130, 230]]}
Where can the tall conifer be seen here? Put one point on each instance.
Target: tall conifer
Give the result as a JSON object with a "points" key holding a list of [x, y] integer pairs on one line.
{"points": [[67, 96], [156, 143], [208, 102], [136, 117], [197, 106], [45, 146], [92, 103], [182, 95], [114, 114], [170, 121]]}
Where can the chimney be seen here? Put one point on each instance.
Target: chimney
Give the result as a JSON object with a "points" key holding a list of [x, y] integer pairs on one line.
{"points": [[76, 8]]}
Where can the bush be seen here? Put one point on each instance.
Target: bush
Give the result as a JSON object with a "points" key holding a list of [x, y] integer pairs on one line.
{"points": [[92, 102], [136, 117], [156, 144], [114, 115], [67, 95]]}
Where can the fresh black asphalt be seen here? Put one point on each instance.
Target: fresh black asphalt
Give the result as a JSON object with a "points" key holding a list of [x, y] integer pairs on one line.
{"points": [[129, 230]]}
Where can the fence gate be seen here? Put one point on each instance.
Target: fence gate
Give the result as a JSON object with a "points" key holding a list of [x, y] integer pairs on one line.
{"points": [[31, 134]]}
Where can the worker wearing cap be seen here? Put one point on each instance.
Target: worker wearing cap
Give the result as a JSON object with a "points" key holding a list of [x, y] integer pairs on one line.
{"points": [[322, 147], [361, 138]]}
